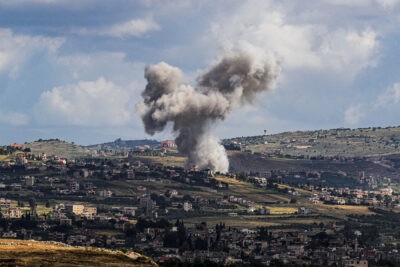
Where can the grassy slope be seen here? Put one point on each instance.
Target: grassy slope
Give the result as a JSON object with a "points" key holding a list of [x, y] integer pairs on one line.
{"points": [[34, 253], [167, 160], [59, 148], [4, 158], [345, 142], [245, 162]]}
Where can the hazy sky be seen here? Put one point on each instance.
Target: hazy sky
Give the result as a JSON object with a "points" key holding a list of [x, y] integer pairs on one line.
{"points": [[74, 69]]}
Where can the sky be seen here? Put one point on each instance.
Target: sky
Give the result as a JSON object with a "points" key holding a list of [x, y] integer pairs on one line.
{"points": [[74, 70]]}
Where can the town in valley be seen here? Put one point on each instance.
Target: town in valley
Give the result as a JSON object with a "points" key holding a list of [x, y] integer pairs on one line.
{"points": [[287, 200]]}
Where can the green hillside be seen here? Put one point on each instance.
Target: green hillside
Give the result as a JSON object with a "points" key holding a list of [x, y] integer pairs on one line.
{"points": [[341, 142], [55, 147]]}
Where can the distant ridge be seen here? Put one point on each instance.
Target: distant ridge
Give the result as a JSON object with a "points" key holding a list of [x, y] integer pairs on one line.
{"points": [[370, 141], [260, 138], [121, 145], [339, 142]]}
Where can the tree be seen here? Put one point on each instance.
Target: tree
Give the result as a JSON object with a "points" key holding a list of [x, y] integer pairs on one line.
{"points": [[163, 223], [32, 205], [200, 244], [263, 233], [171, 240], [388, 199], [187, 198]]}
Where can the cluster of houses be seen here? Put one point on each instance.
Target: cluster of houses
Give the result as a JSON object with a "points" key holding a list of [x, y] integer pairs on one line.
{"points": [[120, 227], [342, 196], [317, 246]]}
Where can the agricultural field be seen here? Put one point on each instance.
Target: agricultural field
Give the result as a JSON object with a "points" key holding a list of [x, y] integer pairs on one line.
{"points": [[4, 158], [254, 221], [249, 191], [167, 160], [342, 211]]}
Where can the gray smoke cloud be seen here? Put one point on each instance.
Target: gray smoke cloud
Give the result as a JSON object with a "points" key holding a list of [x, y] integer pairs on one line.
{"points": [[234, 80]]}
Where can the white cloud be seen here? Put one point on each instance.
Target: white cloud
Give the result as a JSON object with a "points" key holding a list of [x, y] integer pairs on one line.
{"points": [[298, 45], [87, 103], [391, 95], [19, 2], [14, 118], [354, 114], [16, 49], [110, 65], [380, 109], [134, 27], [388, 4], [349, 50], [351, 3]]}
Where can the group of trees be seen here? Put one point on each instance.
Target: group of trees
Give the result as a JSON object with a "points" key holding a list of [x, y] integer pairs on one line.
{"points": [[177, 236], [9, 150]]}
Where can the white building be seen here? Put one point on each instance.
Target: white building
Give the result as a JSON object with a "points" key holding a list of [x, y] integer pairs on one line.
{"points": [[105, 193], [29, 180], [187, 206]]}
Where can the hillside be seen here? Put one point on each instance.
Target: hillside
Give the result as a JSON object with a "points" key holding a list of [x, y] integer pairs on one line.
{"points": [[58, 148], [339, 173], [123, 145], [342, 142], [34, 253]]}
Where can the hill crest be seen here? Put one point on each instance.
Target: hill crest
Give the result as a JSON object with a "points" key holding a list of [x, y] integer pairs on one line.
{"points": [[14, 252], [60, 148]]}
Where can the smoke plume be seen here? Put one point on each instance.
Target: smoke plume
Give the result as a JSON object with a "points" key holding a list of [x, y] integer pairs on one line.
{"points": [[232, 81]]}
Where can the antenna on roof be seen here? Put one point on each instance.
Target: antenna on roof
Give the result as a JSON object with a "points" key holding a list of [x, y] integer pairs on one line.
{"points": [[265, 135]]}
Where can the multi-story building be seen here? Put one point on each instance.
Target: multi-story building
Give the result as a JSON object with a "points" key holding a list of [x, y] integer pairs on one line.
{"points": [[76, 209]]}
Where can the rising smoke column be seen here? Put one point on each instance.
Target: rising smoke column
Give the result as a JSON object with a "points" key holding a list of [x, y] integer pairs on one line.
{"points": [[233, 80]]}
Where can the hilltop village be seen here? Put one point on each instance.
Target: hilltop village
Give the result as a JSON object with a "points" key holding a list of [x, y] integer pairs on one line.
{"points": [[132, 201]]}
